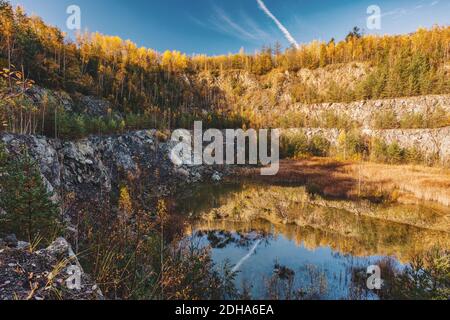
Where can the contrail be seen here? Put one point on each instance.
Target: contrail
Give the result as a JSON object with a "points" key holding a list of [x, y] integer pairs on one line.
{"points": [[283, 29], [249, 254]]}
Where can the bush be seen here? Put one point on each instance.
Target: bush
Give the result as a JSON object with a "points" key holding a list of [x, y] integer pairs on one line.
{"points": [[414, 155], [298, 146], [319, 146], [378, 152], [385, 120], [386, 153], [352, 145], [70, 126], [426, 277], [302, 93], [439, 118], [294, 146], [331, 119], [290, 119], [395, 154], [413, 121]]}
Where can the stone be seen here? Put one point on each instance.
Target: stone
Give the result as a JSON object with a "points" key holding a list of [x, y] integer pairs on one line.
{"points": [[36, 267], [59, 247], [183, 172], [216, 177], [11, 241], [22, 245], [87, 169], [430, 142]]}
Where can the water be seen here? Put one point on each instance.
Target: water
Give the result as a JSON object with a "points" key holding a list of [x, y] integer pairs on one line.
{"points": [[282, 241]]}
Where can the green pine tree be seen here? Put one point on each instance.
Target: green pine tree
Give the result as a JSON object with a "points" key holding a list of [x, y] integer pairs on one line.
{"points": [[28, 211]]}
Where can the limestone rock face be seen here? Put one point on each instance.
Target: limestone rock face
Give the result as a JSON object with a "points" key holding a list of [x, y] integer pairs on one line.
{"points": [[79, 104], [364, 111], [44, 97], [92, 168], [93, 107], [430, 142]]}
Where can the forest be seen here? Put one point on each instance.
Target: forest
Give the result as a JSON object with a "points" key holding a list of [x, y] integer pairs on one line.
{"points": [[166, 88], [133, 240]]}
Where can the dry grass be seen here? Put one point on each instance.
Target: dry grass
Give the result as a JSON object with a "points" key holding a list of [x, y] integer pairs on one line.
{"points": [[332, 178], [413, 182]]}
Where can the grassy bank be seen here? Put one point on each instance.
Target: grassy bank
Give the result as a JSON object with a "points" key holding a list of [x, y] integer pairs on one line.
{"points": [[351, 179]]}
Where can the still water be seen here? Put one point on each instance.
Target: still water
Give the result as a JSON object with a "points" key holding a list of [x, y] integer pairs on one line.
{"points": [[282, 239]]}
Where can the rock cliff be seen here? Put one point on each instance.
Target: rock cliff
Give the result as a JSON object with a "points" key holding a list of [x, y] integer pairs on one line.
{"points": [[431, 142], [93, 168]]}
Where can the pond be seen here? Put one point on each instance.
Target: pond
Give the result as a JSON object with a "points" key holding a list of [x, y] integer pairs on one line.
{"points": [[284, 242]]}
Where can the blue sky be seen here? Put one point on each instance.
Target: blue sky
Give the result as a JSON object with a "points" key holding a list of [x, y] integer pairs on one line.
{"points": [[223, 26]]}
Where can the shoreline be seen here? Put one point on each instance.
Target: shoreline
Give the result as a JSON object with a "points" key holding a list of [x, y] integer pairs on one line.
{"points": [[406, 184]]}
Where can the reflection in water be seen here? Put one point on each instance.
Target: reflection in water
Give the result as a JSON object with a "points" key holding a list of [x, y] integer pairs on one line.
{"points": [[247, 256], [284, 241]]}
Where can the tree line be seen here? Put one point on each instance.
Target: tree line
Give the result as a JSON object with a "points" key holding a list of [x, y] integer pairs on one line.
{"points": [[137, 79]]}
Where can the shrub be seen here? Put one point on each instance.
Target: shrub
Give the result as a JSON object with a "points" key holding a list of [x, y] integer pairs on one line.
{"points": [[290, 119], [385, 120], [426, 277], [294, 146], [298, 146], [439, 118], [331, 119], [319, 146], [378, 150], [303, 93], [413, 121], [392, 153], [414, 155], [72, 126], [395, 154], [352, 145]]}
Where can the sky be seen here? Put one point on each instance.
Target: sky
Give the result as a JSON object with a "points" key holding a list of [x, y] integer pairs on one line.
{"points": [[222, 26]]}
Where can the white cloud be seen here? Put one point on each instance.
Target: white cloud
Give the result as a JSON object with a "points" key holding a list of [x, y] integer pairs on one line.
{"points": [[228, 25], [400, 12], [240, 26]]}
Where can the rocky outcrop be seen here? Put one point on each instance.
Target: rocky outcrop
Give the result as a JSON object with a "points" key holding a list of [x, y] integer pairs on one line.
{"points": [[42, 97], [93, 107], [84, 176], [363, 112], [44, 274], [93, 168], [431, 142], [77, 104]]}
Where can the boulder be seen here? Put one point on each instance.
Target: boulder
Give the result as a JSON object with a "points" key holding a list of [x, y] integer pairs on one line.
{"points": [[11, 241]]}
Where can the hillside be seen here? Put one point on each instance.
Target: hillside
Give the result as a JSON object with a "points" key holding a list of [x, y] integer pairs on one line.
{"points": [[85, 153], [171, 89]]}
